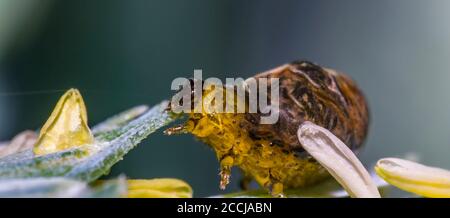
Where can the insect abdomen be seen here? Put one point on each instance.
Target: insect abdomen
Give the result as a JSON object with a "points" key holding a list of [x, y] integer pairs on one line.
{"points": [[309, 92]]}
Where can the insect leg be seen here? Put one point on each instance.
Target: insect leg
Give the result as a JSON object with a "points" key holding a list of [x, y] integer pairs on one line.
{"points": [[225, 171], [275, 188], [178, 129]]}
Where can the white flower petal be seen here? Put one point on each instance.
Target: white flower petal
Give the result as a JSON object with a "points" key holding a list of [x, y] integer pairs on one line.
{"points": [[20, 142], [338, 159]]}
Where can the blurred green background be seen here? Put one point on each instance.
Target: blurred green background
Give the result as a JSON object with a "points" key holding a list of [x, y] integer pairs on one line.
{"points": [[126, 53]]}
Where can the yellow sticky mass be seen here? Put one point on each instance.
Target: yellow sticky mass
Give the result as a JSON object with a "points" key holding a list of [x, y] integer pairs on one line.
{"points": [[66, 127], [158, 188]]}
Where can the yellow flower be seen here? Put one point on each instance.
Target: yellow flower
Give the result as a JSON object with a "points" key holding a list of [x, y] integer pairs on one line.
{"points": [[158, 188], [414, 177]]}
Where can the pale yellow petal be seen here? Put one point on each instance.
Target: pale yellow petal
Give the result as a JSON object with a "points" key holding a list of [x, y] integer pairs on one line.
{"points": [[414, 177], [158, 188], [66, 127], [338, 159]]}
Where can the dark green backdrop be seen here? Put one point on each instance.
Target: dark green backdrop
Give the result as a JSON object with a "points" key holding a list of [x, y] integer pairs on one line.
{"points": [[125, 53]]}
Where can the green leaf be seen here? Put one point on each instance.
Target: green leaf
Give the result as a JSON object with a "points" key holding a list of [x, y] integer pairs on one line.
{"points": [[327, 189], [109, 189], [60, 187], [113, 139]]}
